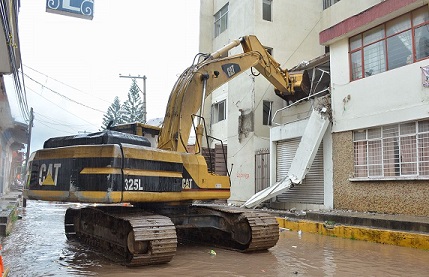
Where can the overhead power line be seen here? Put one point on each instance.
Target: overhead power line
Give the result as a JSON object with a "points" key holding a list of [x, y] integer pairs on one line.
{"points": [[74, 114], [67, 85], [63, 96]]}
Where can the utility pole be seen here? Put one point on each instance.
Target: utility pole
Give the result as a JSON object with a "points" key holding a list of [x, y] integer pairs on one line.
{"points": [[30, 126], [27, 155], [142, 91]]}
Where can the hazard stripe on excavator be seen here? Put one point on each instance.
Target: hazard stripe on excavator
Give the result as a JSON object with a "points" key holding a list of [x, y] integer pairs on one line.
{"points": [[104, 170], [135, 172], [135, 196], [126, 196]]}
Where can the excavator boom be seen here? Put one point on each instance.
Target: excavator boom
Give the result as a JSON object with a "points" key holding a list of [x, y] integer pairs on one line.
{"points": [[200, 80]]}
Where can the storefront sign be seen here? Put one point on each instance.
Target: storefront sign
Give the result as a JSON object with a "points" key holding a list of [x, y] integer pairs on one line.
{"points": [[76, 8]]}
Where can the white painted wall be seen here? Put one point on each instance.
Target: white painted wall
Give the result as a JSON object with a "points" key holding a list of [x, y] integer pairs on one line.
{"points": [[390, 97], [344, 9]]}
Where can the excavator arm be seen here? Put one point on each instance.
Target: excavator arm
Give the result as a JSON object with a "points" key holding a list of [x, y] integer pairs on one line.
{"points": [[200, 80]]}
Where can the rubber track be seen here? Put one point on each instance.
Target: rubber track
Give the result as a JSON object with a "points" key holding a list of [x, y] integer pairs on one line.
{"points": [[264, 227], [110, 228]]}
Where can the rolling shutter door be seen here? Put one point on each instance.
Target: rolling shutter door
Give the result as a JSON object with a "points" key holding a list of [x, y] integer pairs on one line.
{"points": [[312, 188]]}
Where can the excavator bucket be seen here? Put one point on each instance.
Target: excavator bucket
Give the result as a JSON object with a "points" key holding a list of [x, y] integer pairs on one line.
{"points": [[301, 81], [301, 85]]}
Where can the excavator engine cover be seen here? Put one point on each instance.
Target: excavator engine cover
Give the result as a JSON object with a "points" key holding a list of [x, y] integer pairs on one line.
{"points": [[103, 137]]}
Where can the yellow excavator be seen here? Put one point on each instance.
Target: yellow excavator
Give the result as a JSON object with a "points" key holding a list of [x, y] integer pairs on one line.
{"points": [[146, 198]]}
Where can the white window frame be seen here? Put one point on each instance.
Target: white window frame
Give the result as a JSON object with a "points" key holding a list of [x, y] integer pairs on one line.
{"points": [[221, 20], [392, 152], [218, 111], [267, 10]]}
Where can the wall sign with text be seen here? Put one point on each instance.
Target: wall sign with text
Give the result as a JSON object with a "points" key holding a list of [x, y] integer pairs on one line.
{"points": [[76, 8]]}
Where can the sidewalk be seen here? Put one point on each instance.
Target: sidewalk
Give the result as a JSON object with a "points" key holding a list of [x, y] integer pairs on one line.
{"points": [[401, 230], [9, 204]]}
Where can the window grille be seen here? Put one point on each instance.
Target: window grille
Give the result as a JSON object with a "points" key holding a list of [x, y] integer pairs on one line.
{"points": [[396, 43], [392, 150]]}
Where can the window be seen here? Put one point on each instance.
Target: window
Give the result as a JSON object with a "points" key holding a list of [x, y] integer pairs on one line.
{"points": [[218, 111], [396, 43], [328, 3], [391, 151], [266, 10], [267, 110], [221, 20]]}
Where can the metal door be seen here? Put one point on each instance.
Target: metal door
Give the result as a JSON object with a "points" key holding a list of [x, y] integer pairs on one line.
{"points": [[262, 169], [312, 188]]}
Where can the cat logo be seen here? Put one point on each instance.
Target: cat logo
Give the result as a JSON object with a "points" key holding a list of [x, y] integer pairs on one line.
{"points": [[231, 69], [48, 174], [186, 183]]}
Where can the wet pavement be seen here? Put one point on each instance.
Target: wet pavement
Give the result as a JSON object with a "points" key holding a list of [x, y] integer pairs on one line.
{"points": [[37, 246]]}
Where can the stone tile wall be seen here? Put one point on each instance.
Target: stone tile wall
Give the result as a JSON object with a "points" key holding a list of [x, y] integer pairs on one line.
{"points": [[393, 197]]}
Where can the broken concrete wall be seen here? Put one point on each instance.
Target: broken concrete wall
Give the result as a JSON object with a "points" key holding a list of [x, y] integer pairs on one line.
{"points": [[246, 124]]}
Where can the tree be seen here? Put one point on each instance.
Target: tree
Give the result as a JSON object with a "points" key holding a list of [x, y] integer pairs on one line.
{"points": [[114, 113], [133, 107]]}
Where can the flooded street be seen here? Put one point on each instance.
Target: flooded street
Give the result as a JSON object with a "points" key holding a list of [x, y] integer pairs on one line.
{"points": [[38, 247]]}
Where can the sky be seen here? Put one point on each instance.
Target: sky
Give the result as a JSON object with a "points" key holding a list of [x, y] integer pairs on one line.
{"points": [[72, 65]]}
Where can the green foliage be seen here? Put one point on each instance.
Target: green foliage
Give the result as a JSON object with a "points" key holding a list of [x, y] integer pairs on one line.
{"points": [[129, 112], [133, 107], [114, 113]]}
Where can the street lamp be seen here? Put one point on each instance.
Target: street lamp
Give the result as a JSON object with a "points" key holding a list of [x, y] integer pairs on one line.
{"points": [[142, 91]]}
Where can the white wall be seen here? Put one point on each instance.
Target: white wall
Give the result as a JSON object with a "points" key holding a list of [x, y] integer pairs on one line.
{"points": [[344, 9], [389, 97]]}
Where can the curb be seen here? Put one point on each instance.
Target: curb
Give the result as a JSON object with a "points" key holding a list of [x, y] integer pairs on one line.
{"points": [[384, 236], [7, 219]]}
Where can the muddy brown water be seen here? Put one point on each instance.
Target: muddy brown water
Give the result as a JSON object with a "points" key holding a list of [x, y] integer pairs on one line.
{"points": [[37, 246]]}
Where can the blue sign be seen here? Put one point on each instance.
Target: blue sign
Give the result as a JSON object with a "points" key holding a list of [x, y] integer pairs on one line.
{"points": [[76, 8]]}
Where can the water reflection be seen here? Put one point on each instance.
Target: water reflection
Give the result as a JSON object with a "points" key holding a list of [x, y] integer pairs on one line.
{"points": [[38, 247]]}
